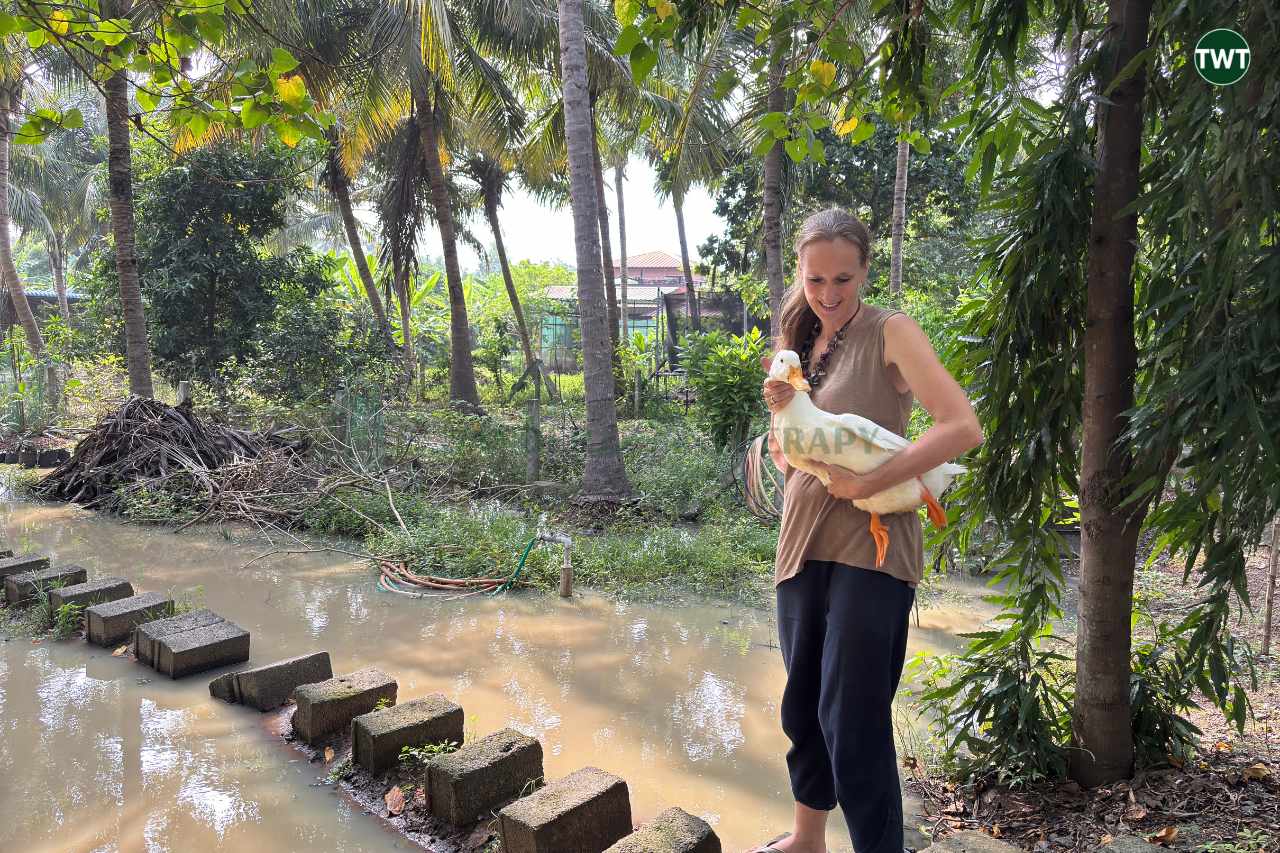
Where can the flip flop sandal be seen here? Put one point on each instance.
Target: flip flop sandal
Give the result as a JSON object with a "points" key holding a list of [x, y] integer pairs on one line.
{"points": [[767, 848]]}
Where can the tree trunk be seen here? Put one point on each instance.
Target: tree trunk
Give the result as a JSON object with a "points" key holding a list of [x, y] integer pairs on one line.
{"points": [[604, 476], [462, 374], [777, 102], [622, 252], [342, 195], [58, 262], [1102, 725], [120, 201], [899, 216], [17, 292], [606, 248], [1273, 563], [691, 292], [401, 274], [491, 213]]}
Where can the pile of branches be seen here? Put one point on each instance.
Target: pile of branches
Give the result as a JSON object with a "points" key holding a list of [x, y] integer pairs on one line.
{"points": [[224, 472]]}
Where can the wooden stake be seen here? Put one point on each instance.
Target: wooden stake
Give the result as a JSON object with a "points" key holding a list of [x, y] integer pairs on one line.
{"points": [[1272, 565]]}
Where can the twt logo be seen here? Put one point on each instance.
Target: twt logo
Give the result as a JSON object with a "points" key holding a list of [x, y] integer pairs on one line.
{"points": [[1222, 56]]}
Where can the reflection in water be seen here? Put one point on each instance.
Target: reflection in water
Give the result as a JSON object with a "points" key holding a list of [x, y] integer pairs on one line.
{"points": [[99, 753]]}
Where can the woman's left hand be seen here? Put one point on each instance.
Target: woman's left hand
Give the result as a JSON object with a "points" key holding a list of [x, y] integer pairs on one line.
{"points": [[848, 485]]}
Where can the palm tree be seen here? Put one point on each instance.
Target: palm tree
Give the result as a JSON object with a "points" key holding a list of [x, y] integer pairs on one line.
{"points": [[622, 246], [899, 216], [12, 77], [604, 477]]}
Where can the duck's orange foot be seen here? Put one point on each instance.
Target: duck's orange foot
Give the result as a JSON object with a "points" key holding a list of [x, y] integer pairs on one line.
{"points": [[880, 534], [937, 514]]}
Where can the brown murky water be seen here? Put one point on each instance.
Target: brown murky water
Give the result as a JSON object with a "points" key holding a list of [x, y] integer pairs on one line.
{"points": [[98, 753]]}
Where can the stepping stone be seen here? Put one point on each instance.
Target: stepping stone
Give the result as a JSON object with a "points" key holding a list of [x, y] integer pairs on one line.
{"points": [[672, 831], [113, 621], [329, 706], [91, 592], [270, 686], [6, 552], [208, 647], [146, 635], [23, 589], [22, 563], [973, 842], [376, 737], [584, 812], [466, 785]]}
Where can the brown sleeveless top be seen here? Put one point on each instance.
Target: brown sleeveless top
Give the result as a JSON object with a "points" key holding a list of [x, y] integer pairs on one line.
{"points": [[816, 526]]}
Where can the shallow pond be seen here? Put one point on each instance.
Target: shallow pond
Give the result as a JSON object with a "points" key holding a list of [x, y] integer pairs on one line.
{"points": [[98, 753]]}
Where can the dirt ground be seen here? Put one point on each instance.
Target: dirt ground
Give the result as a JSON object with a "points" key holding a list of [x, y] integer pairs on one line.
{"points": [[1224, 800]]}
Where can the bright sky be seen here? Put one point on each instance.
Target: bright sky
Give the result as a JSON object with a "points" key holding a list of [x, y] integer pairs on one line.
{"points": [[538, 233]]}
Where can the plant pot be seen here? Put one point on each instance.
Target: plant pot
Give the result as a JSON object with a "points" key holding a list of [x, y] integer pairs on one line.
{"points": [[51, 458], [28, 456]]}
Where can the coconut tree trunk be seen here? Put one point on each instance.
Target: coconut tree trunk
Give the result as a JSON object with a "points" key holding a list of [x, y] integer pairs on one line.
{"points": [[899, 216], [604, 476], [17, 292], [622, 252], [341, 188], [58, 263], [491, 213], [691, 292], [462, 374], [120, 201], [772, 192], [606, 249], [400, 274], [1102, 725]]}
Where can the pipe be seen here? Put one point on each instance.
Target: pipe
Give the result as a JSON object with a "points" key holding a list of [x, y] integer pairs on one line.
{"points": [[566, 570]]}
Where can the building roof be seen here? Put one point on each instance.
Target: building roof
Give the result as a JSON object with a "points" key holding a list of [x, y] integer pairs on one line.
{"points": [[652, 260], [635, 292]]}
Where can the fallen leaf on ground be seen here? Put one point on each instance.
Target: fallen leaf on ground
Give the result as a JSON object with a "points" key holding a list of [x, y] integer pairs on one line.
{"points": [[1168, 835], [395, 800], [1257, 772], [420, 798], [1107, 839], [1135, 813], [996, 831], [120, 652], [328, 754]]}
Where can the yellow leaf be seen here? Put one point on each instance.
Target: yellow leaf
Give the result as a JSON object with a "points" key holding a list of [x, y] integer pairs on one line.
{"points": [[395, 800], [664, 9], [293, 91], [849, 125], [120, 652], [1107, 839], [1168, 835], [328, 754], [824, 72], [59, 22]]}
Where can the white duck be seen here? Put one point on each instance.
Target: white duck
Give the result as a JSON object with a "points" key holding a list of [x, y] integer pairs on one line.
{"points": [[806, 433]]}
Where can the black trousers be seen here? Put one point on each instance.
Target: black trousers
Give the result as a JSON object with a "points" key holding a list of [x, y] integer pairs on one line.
{"points": [[843, 632]]}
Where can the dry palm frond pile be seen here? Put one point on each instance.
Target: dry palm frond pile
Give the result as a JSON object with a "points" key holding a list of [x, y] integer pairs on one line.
{"points": [[219, 472]]}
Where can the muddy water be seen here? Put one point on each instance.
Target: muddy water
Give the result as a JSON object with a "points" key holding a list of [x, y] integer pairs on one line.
{"points": [[98, 753]]}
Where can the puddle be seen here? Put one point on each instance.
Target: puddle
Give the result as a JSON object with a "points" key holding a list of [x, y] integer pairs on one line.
{"points": [[102, 754]]}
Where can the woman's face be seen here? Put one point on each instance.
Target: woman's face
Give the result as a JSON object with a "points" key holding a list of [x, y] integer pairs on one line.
{"points": [[832, 273]]}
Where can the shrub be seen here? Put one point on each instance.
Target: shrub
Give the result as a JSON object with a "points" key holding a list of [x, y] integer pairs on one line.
{"points": [[725, 372]]}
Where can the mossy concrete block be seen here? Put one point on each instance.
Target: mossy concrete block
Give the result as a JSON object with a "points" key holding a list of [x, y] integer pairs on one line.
{"points": [[466, 785], [23, 589], [376, 737], [146, 635], [208, 647], [672, 831], [90, 592], [971, 842], [22, 563], [584, 812], [329, 706], [113, 621], [270, 686]]}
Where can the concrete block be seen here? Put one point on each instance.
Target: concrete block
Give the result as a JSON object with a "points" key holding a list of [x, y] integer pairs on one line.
{"points": [[6, 552], [466, 785], [270, 686], [971, 842], [672, 831], [23, 589], [329, 706], [22, 563], [220, 644], [148, 634], [90, 592], [583, 812], [113, 622], [376, 737]]}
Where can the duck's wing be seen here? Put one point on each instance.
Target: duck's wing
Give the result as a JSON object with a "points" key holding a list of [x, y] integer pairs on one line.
{"points": [[871, 432]]}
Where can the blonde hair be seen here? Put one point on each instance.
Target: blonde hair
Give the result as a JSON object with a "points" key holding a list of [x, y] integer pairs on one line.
{"points": [[834, 223]]}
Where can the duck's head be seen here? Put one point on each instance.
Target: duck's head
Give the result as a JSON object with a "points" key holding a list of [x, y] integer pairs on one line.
{"points": [[785, 367]]}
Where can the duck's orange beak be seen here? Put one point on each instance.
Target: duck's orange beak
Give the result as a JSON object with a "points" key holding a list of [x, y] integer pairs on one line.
{"points": [[795, 376]]}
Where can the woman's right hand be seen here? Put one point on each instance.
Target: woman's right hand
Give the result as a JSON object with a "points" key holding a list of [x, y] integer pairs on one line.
{"points": [[777, 394]]}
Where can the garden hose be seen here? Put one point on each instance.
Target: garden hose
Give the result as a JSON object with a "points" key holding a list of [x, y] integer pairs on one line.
{"points": [[396, 576]]}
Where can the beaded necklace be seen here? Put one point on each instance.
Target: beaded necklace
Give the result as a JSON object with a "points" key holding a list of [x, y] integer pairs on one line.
{"points": [[819, 370]]}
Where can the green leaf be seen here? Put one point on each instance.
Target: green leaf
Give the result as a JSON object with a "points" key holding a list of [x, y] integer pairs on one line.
{"points": [[796, 148], [282, 62], [627, 39], [252, 115], [643, 60], [8, 24], [919, 143], [763, 146], [290, 134], [862, 132], [147, 100], [72, 119], [35, 38]]}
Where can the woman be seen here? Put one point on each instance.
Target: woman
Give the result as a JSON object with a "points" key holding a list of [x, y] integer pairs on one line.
{"points": [[843, 623]]}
